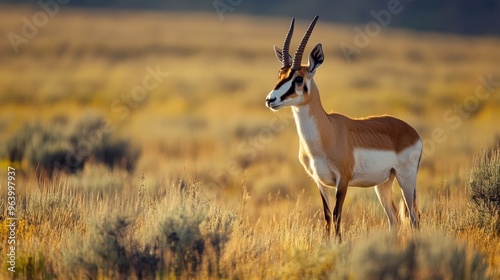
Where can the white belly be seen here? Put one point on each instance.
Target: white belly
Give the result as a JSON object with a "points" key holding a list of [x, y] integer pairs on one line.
{"points": [[372, 167]]}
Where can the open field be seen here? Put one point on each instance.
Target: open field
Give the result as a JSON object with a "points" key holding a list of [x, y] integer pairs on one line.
{"points": [[207, 183]]}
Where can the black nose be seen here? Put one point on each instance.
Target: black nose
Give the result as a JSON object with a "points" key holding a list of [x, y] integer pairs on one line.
{"points": [[269, 100]]}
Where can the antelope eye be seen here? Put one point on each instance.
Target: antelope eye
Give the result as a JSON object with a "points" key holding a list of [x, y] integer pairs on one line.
{"points": [[299, 80]]}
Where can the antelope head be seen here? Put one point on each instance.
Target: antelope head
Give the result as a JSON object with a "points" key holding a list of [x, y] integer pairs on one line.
{"points": [[294, 85]]}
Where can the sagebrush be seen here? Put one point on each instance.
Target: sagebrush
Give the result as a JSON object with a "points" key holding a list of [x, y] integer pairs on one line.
{"points": [[483, 191]]}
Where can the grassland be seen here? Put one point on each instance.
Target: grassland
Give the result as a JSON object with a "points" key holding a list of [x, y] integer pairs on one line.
{"points": [[217, 190]]}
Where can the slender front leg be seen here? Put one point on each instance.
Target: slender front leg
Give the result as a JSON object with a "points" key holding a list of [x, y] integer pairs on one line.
{"points": [[326, 209], [337, 211]]}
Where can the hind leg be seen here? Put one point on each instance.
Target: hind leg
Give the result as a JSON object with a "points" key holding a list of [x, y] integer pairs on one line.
{"points": [[408, 182], [384, 193]]}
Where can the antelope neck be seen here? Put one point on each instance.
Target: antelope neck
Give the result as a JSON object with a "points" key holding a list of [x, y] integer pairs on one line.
{"points": [[309, 118]]}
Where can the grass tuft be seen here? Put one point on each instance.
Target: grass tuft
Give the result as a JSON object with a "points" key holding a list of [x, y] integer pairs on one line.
{"points": [[68, 147], [422, 256], [483, 191]]}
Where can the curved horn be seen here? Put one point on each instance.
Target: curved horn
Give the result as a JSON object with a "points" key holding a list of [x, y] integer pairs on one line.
{"points": [[297, 58], [285, 57]]}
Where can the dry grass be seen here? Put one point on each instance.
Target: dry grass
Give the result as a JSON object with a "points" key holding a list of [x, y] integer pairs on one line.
{"points": [[246, 208]]}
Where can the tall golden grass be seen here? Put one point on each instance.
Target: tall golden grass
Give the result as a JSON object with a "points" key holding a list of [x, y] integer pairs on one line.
{"points": [[217, 191]]}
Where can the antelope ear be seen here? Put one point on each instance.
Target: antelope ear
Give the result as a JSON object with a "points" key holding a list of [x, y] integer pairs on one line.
{"points": [[279, 53], [316, 57]]}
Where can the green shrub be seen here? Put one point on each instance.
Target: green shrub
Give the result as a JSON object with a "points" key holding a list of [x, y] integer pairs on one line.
{"points": [[33, 140], [109, 251], [193, 234], [181, 236], [424, 256], [483, 191], [63, 146], [116, 152], [91, 139]]}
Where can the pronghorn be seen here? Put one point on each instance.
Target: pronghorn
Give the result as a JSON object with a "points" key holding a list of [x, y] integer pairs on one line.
{"points": [[337, 151]]}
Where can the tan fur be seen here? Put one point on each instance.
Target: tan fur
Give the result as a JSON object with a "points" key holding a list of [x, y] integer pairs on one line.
{"points": [[338, 151], [377, 132], [339, 136]]}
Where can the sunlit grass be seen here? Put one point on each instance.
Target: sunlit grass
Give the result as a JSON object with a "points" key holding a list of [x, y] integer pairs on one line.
{"points": [[206, 125]]}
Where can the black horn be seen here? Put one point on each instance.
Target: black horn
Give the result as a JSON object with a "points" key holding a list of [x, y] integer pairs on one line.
{"points": [[297, 58], [285, 57]]}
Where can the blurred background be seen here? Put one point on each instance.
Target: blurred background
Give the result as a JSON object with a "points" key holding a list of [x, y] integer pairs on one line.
{"points": [[463, 16], [109, 99]]}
